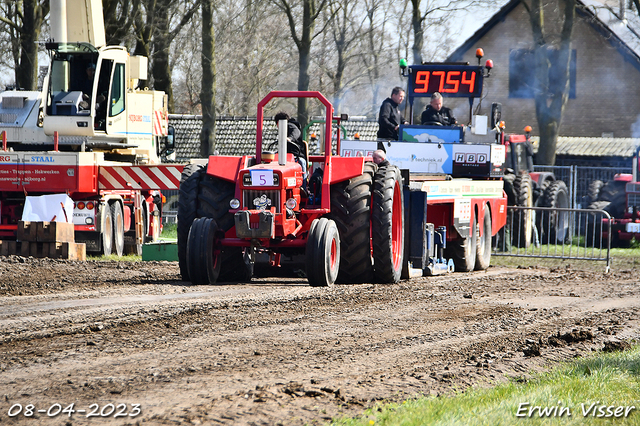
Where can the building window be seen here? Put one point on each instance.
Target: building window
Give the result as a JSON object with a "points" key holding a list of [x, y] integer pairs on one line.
{"points": [[522, 73]]}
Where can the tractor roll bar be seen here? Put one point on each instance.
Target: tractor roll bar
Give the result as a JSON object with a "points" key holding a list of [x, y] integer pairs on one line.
{"points": [[293, 94]]}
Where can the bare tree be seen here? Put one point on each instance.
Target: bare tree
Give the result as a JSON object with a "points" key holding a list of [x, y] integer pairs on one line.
{"points": [[347, 31], [119, 16], [23, 20], [155, 29], [207, 95], [302, 34], [552, 58]]}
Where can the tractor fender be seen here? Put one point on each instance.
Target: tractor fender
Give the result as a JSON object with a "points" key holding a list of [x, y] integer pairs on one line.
{"points": [[225, 167], [344, 168]]}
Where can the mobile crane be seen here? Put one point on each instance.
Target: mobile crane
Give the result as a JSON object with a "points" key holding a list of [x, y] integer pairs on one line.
{"points": [[98, 138]]}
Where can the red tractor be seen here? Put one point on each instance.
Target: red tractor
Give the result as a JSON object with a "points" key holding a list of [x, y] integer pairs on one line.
{"points": [[348, 223]]}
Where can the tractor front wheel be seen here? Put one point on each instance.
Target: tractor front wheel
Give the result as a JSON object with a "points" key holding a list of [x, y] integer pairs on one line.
{"points": [[323, 253], [203, 254]]}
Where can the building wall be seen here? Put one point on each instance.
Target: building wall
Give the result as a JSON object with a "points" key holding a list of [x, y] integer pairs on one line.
{"points": [[607, 85]]}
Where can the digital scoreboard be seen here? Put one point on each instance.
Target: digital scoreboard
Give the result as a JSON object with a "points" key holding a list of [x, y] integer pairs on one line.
{"points": [[450, 80]]}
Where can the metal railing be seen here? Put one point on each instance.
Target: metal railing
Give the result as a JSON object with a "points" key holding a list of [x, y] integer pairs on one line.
{"points": [[556, 233]]}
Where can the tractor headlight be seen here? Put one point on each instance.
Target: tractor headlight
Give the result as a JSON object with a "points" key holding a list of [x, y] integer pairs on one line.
{"points": [[234, 203], [291, 203]]}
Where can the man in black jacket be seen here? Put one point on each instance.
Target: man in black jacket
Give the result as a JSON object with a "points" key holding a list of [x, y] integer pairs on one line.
{"points": [[389, 119], [437, 114]]}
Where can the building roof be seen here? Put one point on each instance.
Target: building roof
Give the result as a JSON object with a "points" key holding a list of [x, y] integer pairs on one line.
{"points": [[237, 135], [623, 32], [593, 147]]}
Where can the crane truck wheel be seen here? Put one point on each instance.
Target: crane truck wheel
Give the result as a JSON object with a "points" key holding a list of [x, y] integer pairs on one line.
{"points": [[187, 211], [387, 224], [554, 225], [323, 253], [118, 228], [522, 220], [107, 230], [483, 252], [350, 209], [463, 250], [203, 254]]}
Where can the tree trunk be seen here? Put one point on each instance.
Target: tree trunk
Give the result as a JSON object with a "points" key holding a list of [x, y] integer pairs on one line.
{"points": [[552, 78], [160, 68], [418, 32], [26, 71], [207, 94]]}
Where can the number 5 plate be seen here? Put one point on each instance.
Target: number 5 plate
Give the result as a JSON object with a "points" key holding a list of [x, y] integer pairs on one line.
{"points": [[262, 178]]}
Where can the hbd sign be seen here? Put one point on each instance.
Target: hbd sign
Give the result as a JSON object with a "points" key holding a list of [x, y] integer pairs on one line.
{"points": [[471, 158]]}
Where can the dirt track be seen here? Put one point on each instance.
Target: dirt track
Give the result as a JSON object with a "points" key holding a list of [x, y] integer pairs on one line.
{"points": [[277, 351]]}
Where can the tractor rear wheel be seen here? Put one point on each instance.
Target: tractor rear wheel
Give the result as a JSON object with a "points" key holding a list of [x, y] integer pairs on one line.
{"points": [[554, 225], [593, 192], [323, 253], [615, 191], [187, 211], [522, 224], [350, 209], [203, 254], [483, 252], [463, 250], [387, 224]]}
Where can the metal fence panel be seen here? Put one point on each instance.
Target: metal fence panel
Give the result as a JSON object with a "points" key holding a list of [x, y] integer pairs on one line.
{"points": [[546, 232]]}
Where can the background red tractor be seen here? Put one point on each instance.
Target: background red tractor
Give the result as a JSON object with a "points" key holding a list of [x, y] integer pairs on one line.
{"points": [[348, 224]]}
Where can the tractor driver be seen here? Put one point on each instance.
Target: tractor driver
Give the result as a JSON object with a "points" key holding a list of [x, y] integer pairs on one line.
{"points": [[295, 145], [436, 114]]}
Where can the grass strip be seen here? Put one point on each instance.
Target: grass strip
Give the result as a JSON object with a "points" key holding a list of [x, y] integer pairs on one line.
{"points": [[584, 391]]}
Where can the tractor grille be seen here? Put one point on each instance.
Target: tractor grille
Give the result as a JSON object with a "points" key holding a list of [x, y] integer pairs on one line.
{"points": [[250, 195], [634, 200]]}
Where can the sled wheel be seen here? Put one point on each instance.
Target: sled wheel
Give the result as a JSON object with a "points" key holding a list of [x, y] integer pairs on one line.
{"points": [[350, 210], [203, 254], [483, 252], [107, 230], [323, 253], [522, 225], [387, 225], [463, 250]]}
